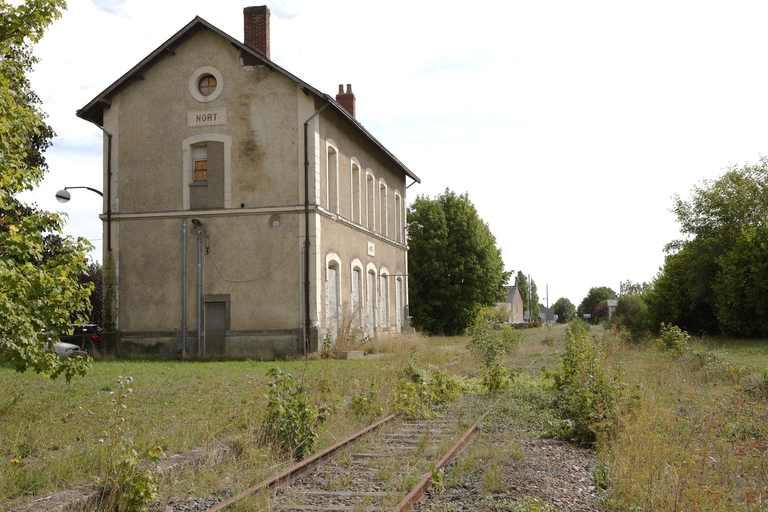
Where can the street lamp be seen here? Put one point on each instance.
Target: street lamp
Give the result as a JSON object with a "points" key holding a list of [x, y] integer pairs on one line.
{"points": [[63, 196]]}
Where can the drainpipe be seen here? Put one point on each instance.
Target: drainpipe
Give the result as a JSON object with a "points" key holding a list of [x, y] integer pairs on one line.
{"points": [[306, 232], [200, 228], [199, 291], [184, 287]]}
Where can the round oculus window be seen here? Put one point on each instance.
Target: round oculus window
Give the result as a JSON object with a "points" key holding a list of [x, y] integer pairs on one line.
{"points": [[206, 85]]}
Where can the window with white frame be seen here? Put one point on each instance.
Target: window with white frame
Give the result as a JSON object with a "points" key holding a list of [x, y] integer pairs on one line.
{"points": [[355, 194], [370, 201], [384, 300], [383, 209], [398, 218], [333, 299], [332, 180], [371, 303], [206, 171], [357, 296]]}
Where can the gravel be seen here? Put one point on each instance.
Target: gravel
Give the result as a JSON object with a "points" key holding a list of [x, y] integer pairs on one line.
{"points": [[553, 472]]}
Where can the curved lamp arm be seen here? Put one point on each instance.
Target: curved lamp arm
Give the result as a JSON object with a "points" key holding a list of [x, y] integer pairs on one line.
{"points": [[63, 196]]}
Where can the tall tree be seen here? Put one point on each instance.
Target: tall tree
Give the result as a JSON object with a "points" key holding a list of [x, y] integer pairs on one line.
{"points": [[535, 306], [594, 298], [565, 310], [712, 280], [530, 302], [38, 266], [454, 266], [521, 280]]}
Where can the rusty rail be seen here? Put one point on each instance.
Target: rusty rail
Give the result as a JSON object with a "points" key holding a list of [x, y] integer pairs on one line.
{"points": [[302, 468], [426, 481]]}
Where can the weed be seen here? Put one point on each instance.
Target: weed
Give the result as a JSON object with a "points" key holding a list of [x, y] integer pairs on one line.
{"points": [[586, 394], [292, 422], [673, 339], [496, 378], [364, 405], [716, 368], [493, 477], [757, 385], [329, 349], [436, 480], [124, 486], [491, 342], [417, 397]]}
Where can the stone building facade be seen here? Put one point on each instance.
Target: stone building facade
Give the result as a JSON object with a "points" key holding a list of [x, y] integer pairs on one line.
{"points": [[246, 212]]}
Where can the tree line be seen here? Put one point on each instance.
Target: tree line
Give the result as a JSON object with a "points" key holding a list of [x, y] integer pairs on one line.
{"points": [[715, 278]]}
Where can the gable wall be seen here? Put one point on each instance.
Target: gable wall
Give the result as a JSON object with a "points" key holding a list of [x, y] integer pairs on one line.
{"points": [[152, 115]]}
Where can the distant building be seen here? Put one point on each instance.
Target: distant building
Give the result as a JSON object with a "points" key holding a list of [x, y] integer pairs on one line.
{"points": [[247, 213], [547, 315], [514, 305]]}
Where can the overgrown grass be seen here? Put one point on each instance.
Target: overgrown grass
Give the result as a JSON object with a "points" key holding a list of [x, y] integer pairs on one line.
{"points": [[695, 437], [699, 437], [53, 432]]}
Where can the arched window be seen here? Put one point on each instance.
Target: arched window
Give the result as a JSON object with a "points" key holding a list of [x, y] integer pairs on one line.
{"points": [[371, 302], [383, 209], [355, 193], [357, 295], [384, 299], [206, 171], [332, 297], [370, 201], [332, 179]]}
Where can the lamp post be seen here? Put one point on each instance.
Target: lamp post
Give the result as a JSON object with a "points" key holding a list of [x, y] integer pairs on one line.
{"points": [[63, 196]]}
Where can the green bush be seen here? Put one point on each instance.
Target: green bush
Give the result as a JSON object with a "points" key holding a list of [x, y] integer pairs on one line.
{"points": [[418, 396], [632, 314], [496, 378], [292, 421], [365, 405], [673, 339], [586, 394], [492, 342]]}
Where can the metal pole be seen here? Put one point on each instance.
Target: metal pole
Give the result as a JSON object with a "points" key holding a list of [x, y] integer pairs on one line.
{"points": [[199, 291], [184, 287], [307, 318], [530, 313]]}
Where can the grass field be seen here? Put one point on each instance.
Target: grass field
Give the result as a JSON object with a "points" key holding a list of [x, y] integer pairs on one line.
{"points": [[692, 434]]}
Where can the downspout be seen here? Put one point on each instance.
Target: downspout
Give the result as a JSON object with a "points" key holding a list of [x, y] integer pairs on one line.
{"points": [[405, 257], [199, 291], [306, 231], [184, 287]]}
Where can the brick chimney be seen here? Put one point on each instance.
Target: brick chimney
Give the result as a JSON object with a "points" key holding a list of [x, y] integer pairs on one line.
{"points": [[256, 24], [346, 99]]}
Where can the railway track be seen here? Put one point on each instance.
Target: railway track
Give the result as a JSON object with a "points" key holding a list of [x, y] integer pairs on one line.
{"points": [[386, 466]]}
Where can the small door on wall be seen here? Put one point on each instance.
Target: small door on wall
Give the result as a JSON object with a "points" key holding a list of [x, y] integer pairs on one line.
{"points": [[215, 329]]}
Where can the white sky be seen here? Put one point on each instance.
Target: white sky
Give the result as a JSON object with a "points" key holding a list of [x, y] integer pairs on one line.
{"points": [[569, 124]]}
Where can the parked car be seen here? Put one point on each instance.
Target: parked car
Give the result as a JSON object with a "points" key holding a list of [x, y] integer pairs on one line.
{"points": [[65, 350], [86, 337]]}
